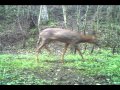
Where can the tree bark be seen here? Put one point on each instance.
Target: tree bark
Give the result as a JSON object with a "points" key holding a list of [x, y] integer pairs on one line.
{"points": [[64, 15], [21, 29]]}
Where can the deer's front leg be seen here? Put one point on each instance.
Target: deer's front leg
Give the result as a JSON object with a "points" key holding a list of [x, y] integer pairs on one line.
{"points": [[79, 51]]}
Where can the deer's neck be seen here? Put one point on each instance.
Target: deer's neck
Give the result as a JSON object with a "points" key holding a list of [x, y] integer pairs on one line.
{"points": [[87, 38]]}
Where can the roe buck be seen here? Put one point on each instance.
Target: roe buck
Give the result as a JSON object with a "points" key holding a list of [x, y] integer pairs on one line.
{"points": [[68, 37]]}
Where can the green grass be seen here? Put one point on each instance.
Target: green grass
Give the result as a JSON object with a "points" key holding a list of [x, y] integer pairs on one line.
{"points": [[21, 68], [14, 69], [101, 64]]}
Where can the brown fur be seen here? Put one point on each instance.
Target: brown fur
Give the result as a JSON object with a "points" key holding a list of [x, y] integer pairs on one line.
{"points": [[68, 37]]}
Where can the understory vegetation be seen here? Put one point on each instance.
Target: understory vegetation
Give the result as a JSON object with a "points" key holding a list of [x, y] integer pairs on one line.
{"points": [[101, 67]]}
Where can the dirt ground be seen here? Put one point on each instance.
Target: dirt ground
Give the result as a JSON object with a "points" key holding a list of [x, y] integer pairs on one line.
{"points": [[59, 75]]}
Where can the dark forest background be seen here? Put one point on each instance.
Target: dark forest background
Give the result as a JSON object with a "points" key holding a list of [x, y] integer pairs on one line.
{"points": [[20, 24]]}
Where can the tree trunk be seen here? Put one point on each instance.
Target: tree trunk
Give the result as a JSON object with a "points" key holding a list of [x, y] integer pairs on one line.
{"points": [[39, 18], [39, 22], [78, 17], [98, 11], [64, 15], [21, 29], [44, 14], [85, 23]]}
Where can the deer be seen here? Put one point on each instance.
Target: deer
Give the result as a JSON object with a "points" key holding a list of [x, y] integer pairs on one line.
{"points": [[68, 37]]}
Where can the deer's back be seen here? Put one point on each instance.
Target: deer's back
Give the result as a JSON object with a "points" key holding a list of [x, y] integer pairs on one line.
{"points": [[62, 35], [59, 31]]}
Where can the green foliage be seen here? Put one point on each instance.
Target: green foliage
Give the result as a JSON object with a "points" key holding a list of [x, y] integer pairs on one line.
{"points": [[22, 69], [51, 23], [101, 64], [33, 31], [17, 69]]}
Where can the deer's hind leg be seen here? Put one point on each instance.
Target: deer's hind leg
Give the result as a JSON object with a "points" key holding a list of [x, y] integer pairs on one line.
{"points": [[47, 49], [64, 51], [44, 41]]}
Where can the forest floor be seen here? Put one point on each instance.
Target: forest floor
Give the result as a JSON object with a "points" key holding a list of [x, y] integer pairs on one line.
{"points": [[19, 67], [99, 68], [58, 74]]}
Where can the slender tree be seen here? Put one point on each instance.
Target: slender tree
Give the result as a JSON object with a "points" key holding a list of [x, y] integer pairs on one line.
{"points": [[39, 22], [85, 24], [78, 17], [20, 26], [97, 24], [64, 15]]}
